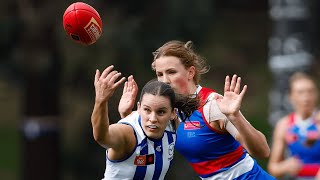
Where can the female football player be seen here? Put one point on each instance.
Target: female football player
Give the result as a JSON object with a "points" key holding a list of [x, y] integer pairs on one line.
{"points": [[298, 132], [141, 145], [217, 140]]}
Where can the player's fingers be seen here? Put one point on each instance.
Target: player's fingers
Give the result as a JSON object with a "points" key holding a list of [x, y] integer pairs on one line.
{"points": [[110, 75], [233, 82], [134, 83], [96, 76], [106, 72], [119, 82], [134, 87], [130, 83], [114, 77], [238, 83], [244, 90], [125, 87], [227, 84]]}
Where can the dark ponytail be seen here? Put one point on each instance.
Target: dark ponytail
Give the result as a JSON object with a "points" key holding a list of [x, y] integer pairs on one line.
{"points": [[186, 105]]}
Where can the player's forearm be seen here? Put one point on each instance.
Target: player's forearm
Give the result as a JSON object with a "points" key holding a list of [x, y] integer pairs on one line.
{"points": [[277, 169], [253, 140], [100, 122]]}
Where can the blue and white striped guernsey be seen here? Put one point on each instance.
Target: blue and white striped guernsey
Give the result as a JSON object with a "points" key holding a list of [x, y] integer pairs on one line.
{"points": [[150, 159]]}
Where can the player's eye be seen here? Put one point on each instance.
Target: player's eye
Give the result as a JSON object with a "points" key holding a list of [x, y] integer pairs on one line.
{"points": [[161, 112], [159, 74], [172, 72]]}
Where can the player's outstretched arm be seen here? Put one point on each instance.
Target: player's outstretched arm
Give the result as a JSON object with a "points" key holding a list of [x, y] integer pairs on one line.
{"points": [[105, 85], [129, 94], [253, 140]]}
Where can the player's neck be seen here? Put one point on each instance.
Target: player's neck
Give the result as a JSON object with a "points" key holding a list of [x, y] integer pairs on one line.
{"points": [[304, 115], [192, 88]]}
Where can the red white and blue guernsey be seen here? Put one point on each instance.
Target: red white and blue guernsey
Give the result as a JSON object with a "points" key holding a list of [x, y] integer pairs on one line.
{"points": [[150, 159], [303, 139], [214, 155]]}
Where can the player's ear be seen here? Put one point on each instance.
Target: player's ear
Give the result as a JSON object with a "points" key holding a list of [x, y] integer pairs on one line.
{"points": [[191, 72], [173, 114], [138, 105]]}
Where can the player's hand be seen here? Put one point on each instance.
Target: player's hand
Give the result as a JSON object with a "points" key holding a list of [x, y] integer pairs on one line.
{"points": [[293, 165], [106, 83], [129, 94], [230, 102]]}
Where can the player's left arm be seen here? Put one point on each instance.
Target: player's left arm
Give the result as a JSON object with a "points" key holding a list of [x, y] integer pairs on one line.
{"points": [[129, 94], [251, 139]]}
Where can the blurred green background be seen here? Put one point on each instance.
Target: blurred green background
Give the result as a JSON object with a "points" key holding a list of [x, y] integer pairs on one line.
{"points": [[43, 73]]}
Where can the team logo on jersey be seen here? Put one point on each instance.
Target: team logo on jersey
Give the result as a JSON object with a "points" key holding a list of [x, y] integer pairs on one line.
{"points": [[170, 151], [191, 125], [158, 148], [144, 160], [291, 137]]}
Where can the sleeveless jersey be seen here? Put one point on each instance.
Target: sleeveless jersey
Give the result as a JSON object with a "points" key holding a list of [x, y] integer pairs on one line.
{"points": [[303, 140], [150, 159], [213, 154]]}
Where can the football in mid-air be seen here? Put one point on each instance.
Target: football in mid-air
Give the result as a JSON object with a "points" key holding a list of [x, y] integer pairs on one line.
{"points": [[82, 23]]}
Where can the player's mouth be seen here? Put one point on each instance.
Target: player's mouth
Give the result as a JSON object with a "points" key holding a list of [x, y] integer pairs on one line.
{"points": [[152, 127]]}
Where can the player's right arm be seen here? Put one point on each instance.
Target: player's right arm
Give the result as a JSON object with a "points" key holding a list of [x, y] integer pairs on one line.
{"points": [[109, 136]]}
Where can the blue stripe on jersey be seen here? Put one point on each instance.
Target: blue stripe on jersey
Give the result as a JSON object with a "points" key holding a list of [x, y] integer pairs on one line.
{"points": [[170, 137], [141, 170], [158, 163]]}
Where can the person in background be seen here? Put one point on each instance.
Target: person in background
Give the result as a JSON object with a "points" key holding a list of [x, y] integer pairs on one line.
{"points": [[296, 139], [140, 146], [216, 140]]}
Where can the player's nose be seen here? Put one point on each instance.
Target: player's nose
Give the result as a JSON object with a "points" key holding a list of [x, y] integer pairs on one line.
{"points": [[153, 117], [166, 79]]}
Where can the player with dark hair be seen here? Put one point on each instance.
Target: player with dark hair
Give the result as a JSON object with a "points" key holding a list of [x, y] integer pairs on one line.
{"points": [[141, 145]]}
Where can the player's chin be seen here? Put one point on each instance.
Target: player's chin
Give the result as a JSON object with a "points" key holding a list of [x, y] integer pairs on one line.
{"points": [[154, 133]]}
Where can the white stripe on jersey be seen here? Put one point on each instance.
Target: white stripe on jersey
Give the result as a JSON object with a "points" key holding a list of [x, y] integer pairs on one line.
{"points": [[126, 169], [243, 166]]}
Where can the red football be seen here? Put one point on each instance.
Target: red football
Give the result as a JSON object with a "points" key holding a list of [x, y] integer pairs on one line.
{"points": [[82, 23]]}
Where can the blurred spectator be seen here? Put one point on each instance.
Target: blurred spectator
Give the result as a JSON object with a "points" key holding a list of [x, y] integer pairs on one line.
{"points": [[298, 132]]}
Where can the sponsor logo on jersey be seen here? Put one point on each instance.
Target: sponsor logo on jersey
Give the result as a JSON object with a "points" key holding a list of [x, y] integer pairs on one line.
{"points": [[192, 125], [144, 160]]}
